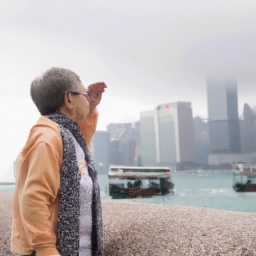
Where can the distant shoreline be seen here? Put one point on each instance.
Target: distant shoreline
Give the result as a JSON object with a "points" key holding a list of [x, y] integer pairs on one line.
{"points": [[200, 171], [173, 172]]}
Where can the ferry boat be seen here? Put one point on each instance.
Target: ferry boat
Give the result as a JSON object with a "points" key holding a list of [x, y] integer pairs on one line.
{"points": [[139, 182], [244, 177]]}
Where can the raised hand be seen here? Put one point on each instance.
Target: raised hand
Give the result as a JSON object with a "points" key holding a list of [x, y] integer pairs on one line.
{"points": [[96, 91], [94, 98]]}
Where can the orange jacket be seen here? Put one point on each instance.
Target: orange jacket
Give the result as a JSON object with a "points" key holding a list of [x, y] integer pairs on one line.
{"points": [[36, 203]]}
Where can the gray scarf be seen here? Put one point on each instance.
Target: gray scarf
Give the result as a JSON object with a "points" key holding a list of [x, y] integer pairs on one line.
{"points": [[69, 207]]}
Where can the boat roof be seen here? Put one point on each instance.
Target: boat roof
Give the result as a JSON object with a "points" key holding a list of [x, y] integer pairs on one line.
{"points": [[245, 173], [138, 172], [139, 167], [244, 169], [138, 175]]}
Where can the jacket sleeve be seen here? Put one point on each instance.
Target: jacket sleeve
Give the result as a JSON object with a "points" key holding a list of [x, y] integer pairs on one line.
{"points": [[88, 127], [40, 191]]}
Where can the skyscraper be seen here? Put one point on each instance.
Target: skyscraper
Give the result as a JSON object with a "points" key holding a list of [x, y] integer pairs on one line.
{"points": [[224, 131], [101, 151], [123, 143], [148, 126], [248, 129], [167, 134], [201, 135]]}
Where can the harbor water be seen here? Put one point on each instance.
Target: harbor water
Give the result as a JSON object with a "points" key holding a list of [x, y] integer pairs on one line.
{"points": [[203, 189]]}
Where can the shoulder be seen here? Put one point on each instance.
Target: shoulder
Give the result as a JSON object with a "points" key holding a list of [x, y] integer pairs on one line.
{"points": [[44, 132]]}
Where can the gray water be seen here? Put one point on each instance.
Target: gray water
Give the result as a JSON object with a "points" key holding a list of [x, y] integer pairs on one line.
{"points": [[206, 189]]}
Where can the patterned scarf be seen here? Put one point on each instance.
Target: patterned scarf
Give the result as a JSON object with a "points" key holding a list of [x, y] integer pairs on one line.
{"points": [[69, 207]]}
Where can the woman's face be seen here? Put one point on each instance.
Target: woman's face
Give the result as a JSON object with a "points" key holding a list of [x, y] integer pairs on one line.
{"points": [[80, 103]]}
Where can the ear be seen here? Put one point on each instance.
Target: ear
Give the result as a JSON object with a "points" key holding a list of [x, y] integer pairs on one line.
{"points": [[68, 101]]}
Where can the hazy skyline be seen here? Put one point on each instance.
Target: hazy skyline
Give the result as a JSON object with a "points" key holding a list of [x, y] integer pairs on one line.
{"points": [[147, 52]]}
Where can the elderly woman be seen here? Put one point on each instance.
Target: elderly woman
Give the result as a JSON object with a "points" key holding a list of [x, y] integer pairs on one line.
{"points": [[57, 208]]}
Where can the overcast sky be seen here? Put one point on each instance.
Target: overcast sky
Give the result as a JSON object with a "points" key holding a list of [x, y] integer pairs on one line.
{"points": [[147, 52]]}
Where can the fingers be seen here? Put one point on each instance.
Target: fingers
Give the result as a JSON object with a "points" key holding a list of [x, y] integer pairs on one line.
{"points": [[101, 84], [98, 87]]}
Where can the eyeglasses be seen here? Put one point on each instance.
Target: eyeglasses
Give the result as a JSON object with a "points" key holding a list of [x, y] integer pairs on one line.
{"points": [[83, 93]]}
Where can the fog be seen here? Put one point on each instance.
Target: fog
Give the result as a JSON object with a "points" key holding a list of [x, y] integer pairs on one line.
{"points": [[147, 52]]}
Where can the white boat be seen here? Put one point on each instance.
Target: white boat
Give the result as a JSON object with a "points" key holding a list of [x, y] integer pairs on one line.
{"points": [[139, 182], [244, 177]]}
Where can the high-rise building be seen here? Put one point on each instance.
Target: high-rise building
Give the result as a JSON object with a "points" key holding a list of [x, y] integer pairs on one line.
{"points": [[167, 134], [201, 135], [123, 143], [137, 158], [114, 153], [248, 129], [101, 151], [224, 131], [148, 138], [116, 130]]}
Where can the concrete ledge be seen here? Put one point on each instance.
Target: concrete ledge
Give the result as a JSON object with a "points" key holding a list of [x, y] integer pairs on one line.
{"points": [[146, 229]]}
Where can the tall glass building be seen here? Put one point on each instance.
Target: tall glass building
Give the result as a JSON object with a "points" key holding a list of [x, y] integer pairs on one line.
{"points": [[148, 138], [224, 131], [201, 135], [124, 138], [248, 129], [101, 151], [167, 134]]}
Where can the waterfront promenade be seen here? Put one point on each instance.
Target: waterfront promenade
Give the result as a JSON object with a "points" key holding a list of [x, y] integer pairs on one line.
{"points": [[152, 229]]}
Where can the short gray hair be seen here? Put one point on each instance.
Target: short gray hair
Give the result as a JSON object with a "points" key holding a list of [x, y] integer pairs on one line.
{"points": [[48, 90]]}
